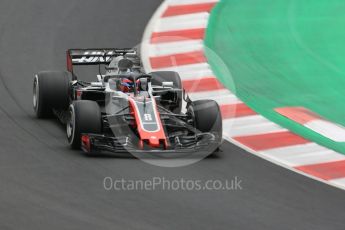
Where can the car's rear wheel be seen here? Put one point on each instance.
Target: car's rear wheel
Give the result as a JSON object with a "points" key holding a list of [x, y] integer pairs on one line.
{"points": [[85, 117], [51, 91], [169, 76], [207, 117]]}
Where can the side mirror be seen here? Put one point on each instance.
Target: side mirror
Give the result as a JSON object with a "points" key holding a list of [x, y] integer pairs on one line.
{"points": [[114, 84], [143, 84], [167, 84]]}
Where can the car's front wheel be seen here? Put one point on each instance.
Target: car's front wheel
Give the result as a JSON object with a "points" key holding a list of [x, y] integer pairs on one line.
{"points": [[85, 117], [207, 117]]}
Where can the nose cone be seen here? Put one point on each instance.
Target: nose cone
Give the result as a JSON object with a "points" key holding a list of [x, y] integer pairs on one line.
{"points": [[154, 141]]}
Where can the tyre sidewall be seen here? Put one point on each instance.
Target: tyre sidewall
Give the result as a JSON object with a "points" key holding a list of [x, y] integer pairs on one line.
{"points": [[86, 118], [207, 116], [53, 92]]}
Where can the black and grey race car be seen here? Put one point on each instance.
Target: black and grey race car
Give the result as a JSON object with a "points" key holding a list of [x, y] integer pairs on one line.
{"points": [[126, 109]]}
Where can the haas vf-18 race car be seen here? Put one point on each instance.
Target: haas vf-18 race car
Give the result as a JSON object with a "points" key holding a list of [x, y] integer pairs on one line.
{"points": [[125, 110]]}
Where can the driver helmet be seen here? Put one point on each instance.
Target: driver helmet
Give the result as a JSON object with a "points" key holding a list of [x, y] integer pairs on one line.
{"points": [[127, 85]]}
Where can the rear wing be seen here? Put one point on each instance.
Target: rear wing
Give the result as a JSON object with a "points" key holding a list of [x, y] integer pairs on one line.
{"points": [[96, 56]]}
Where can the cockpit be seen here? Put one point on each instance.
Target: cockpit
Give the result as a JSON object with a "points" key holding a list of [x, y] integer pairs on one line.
{"points": [[122, 76]]}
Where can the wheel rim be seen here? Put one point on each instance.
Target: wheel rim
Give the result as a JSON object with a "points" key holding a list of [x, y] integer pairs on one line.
{"points": [[70, 125], [35, 93]]}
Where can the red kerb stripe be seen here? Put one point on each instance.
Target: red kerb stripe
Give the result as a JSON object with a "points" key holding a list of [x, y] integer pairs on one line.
{"points": [[188, 9], [202, 84], [178, 59], [300, 115], [326, 171], [236, 110], [177, 35], [271, 140]]}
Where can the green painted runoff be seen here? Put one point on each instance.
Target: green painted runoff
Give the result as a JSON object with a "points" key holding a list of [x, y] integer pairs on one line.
{"points": [[283, 53]]}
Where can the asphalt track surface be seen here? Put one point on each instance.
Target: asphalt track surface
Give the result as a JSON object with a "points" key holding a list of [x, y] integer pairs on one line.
{"points": [[45, 185]]}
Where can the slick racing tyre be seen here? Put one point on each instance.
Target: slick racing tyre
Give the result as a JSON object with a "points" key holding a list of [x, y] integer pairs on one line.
{"points": [[85, 117], [51, 91], [169, 76], [207, 117]]}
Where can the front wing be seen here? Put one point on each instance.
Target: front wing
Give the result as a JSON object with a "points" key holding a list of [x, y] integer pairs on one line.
{"points": [[205, 143]]}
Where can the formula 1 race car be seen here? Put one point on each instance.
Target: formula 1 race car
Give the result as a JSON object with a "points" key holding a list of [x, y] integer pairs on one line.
{"points": [[126, 110]]}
